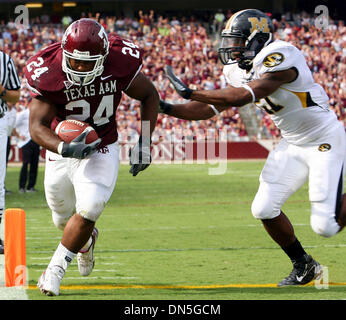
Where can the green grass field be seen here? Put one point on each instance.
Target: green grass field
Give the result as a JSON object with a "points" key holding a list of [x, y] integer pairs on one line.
{"points": [[176, 233]]}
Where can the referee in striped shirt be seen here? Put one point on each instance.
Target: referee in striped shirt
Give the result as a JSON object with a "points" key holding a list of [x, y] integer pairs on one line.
{"points": [[9, 95]]}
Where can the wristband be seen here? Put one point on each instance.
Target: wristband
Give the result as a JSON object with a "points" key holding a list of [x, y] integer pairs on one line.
{"points": [[165, 107], [248, 88], [188, 93], [60, 146], [214, 109]]}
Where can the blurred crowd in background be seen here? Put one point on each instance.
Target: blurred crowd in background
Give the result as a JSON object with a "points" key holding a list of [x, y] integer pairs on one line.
{"points": [[190, 46]]}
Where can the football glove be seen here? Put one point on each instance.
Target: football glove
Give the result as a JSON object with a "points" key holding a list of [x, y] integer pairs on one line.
{"points": [[179, 86], [140, 156], [78, 149], [165, 107]]}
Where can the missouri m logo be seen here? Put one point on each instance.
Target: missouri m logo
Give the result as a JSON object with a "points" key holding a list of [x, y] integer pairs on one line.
{"points": [[324, 147], [273, 60], [260, 25]]}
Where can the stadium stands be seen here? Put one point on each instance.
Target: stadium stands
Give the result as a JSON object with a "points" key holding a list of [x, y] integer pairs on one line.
{"points": [[191, 46]]}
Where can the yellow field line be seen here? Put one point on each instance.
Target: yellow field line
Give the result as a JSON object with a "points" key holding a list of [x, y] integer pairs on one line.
{"points": [[186, 287]]}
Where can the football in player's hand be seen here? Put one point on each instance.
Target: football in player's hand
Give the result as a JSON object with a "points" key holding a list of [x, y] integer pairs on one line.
{"points": [[70, 129]]}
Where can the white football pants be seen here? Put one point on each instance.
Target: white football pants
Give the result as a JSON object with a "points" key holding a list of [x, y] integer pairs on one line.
{"points": [[80, 186], [289, 166]]}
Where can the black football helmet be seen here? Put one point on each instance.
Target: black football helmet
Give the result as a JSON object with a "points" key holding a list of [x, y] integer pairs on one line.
{"points": [[246, 33]]}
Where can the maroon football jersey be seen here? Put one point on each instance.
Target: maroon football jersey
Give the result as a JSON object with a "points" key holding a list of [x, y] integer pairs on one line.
{"points": [[95, 103]]}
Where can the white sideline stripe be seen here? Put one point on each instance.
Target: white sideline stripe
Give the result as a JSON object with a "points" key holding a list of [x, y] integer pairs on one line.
{"points": [[169, 227], [46, 242], [96, 257], [86, 278], [197, 227], [40, 238], [50, 239], [41, 258], [205, 249], [152, 214], [100, 270], [13, 293], [94, 270], [40, 228], [184, 214]]}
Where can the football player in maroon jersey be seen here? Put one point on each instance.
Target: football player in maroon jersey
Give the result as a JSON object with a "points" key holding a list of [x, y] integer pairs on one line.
{"points": [[83, 77]]}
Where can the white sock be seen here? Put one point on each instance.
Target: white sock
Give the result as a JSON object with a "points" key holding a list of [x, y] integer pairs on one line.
{"points": [[62, 258]]}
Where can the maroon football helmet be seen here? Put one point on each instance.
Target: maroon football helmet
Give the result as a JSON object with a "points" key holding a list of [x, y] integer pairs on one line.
{"points": [[86, 40]]}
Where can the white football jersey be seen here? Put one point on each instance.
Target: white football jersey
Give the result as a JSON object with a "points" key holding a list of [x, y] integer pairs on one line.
{"points": [[237, 77], [300, 109]]}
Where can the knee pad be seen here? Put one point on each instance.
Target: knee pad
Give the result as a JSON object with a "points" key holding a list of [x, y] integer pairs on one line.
{"points": [[92, 209], [60, 220], [263, 208], [324, 225], [323, 219], [91, 200]]}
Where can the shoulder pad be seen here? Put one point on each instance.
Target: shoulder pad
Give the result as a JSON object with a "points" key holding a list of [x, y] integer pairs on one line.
{"points": [[124, 58], [43, 71], [277, 56]]}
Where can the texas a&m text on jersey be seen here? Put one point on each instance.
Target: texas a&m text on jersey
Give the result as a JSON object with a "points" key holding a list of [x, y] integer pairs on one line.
{"points": [[94, 103]]}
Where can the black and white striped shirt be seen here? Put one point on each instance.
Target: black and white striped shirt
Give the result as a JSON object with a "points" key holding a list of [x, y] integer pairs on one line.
{"points": [[8, 78]]}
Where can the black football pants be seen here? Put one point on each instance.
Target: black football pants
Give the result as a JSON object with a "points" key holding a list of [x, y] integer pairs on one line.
{"points": [[31, 154]]}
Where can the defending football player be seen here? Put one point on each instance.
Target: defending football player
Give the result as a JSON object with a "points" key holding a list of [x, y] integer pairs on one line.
{"points": [[83, 78], [313, 144]]}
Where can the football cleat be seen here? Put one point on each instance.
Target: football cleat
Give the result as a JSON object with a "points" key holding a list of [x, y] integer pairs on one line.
{"points": [[86, 259], [49, 282], [304, 270]]}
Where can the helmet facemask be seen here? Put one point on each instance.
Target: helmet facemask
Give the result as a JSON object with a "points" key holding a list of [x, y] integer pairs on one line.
{"points": [[236, 48], [232, 49], [82, 78], [84, 40]]}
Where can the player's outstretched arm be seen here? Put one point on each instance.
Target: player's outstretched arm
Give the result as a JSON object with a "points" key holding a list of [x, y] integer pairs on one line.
{"points": [[254, 90], [232, 96], [192, 110], [179, 86]]}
